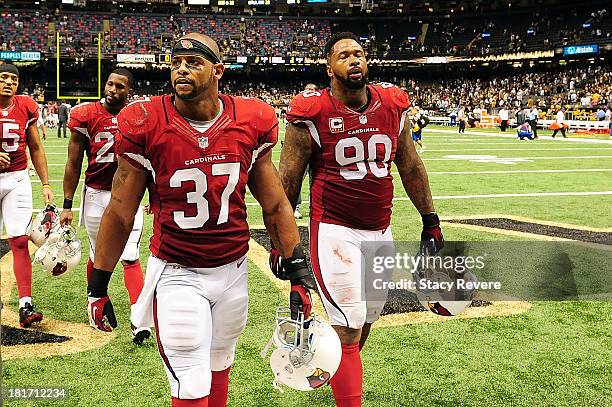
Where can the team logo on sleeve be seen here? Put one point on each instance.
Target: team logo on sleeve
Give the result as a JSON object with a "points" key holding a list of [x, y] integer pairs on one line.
{"points": [[336, 124], [203, 142]]}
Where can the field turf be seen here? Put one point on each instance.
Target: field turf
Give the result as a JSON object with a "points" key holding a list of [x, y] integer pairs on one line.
{"points": [[555, 354]]}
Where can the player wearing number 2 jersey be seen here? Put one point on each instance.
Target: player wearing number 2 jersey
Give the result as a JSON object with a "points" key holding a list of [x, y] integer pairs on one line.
{"points": [[350, 134], [95, 132], [195, 151], [18, 115]]}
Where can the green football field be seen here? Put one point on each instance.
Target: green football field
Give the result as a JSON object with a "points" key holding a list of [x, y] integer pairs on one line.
{"points": [[555, 354]]}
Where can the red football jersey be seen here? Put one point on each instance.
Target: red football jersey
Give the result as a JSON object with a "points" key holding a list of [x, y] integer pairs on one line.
{"points": [[197, 180], [14, 121], [100, 129], [352, 154]]}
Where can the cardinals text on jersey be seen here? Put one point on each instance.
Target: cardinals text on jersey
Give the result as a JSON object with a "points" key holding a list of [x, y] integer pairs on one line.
{"points": [[197, 188], [352, 154]]}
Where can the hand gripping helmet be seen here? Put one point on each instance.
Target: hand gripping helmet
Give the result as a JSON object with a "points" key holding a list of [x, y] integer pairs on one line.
{"points": [[44, 224], [443, 301], [307, 352], [61, 252]]}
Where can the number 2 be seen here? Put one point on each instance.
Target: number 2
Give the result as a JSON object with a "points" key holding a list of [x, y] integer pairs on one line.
{"points": [[110, 139], [8, 135], [201, 187]]}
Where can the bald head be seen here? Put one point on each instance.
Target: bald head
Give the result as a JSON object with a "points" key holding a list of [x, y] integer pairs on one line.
{"points": [[206, 40]]}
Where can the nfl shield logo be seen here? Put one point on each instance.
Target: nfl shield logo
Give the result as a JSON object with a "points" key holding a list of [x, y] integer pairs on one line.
{"points": [[363, 119], [203, 142], [114, 120]]}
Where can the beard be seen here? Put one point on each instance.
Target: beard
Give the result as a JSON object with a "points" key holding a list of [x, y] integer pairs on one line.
{"points": [[352, 84], [197, 90]]}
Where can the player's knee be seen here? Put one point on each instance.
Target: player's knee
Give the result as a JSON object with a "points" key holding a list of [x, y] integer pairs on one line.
{"points": [[223, 355], [19, 243], [353, 314], [348, 335], [193, 383], [129, 262]]}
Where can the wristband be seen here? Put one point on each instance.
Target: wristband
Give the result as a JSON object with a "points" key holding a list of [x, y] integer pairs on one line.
{"points": [[98, 285], [46, 186], [431, 220], [67, 203]]}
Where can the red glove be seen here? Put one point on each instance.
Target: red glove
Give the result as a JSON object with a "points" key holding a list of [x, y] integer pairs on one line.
{"points": [[432, 240], [100, 311], [300, 301]]}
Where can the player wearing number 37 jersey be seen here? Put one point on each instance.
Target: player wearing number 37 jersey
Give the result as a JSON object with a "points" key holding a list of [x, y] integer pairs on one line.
{"points": [[350, 134], [195, 151]]}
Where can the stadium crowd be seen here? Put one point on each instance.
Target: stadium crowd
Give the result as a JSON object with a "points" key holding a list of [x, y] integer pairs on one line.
{"points": [[301, 37]]}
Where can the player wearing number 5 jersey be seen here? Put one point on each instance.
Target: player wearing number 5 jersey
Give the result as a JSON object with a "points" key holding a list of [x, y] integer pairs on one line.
{"points": [[195, 151], [350, 134], [95, 132], [18, 116]]}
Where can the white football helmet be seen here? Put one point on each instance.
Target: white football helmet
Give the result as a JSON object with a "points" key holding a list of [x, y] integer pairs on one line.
{"points": [[46, 222], [444, 302], [61, 252], [307, 352]]}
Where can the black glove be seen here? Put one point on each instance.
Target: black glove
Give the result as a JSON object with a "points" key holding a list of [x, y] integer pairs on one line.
{"points": [[432, 240], [294, 268], [99, 307]]}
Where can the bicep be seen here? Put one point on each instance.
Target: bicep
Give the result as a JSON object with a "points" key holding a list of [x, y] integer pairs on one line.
{"points": [[295, 153], [76, 147], [406, 155], [32, 138], [265, 184]]}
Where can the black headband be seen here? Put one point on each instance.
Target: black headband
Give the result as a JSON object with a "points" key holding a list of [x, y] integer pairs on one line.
{"points": [[10, 68], [189, 46]]}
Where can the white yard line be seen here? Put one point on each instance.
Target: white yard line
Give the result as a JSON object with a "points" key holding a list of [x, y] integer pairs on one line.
{"points": [[513, 171], [532, 194], [505, 135]]}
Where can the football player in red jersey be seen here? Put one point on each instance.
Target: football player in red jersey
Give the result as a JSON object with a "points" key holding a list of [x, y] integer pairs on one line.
{"points": [[94, 131], [350, 134], [196, 151], [18, 116]]}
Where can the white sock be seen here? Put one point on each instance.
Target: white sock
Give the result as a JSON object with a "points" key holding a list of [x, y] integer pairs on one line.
{"points": [[24, 300]]}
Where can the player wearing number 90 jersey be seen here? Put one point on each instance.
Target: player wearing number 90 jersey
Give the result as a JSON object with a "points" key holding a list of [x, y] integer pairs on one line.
{"points": [[352, 154], [350, 134]]}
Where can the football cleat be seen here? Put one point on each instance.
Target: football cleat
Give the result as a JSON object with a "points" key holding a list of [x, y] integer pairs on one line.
{"points": [[61, 252], [28, 316], [307, 353], [139, 335]]}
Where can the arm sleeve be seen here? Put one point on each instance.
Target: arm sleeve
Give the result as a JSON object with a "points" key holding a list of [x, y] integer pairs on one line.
{"points": [[133, 122], [268, 136], [303, 107], [78, 120], [32, 109]]}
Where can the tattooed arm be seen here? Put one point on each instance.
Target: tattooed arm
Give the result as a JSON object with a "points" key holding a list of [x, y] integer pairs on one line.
{"points": [[129, 185], [277, 213], [412, 172], [295, 156]]}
